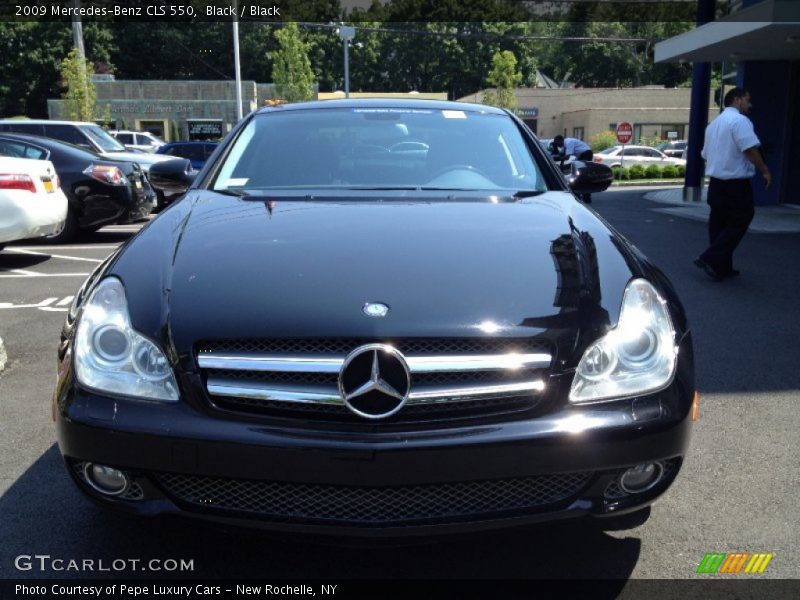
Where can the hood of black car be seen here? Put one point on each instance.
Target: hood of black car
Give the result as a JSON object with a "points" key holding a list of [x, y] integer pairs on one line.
{"points": [[244, 268]]}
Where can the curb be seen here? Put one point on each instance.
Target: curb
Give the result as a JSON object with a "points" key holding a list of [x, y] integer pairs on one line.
{"points": [[3, 356]]}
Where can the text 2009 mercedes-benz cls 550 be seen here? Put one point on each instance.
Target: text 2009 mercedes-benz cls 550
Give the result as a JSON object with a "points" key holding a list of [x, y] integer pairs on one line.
{"points": [[376, 318]]}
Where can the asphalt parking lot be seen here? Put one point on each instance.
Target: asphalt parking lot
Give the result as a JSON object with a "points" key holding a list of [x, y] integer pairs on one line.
{"points": [[737, 491]]}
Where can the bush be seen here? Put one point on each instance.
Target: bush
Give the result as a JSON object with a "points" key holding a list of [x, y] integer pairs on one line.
{"points": [[670, 172], [681, 170], [615, 171], [602, 140], [624, 174], [653, 172], [636, 172]]}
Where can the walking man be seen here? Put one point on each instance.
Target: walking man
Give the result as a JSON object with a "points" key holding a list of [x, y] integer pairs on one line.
{"points": [[732, 155]]}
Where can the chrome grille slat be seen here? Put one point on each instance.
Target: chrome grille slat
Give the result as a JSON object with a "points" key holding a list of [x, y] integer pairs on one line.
{"points": [[330, 395], [326, 364], [297, 374]]}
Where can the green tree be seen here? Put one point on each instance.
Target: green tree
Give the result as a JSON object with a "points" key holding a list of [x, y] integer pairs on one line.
{"points": [[504, 77], [79, 93], [291, 69]]}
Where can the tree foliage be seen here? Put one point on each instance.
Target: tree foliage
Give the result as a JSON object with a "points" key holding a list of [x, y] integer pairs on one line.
{"points": [[79, 91], [291, 70], [400, 45], [504, 77]]}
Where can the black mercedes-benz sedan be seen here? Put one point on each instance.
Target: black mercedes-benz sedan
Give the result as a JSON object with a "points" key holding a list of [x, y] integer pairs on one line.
{"points": [[376, 318]]}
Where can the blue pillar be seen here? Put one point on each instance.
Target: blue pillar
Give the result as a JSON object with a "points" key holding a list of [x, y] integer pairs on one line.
{"points": [[698, 117]]}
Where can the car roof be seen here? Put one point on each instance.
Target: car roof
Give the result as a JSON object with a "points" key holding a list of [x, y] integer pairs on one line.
{"points": [[384, 103], [45, 122], [45, 142]]}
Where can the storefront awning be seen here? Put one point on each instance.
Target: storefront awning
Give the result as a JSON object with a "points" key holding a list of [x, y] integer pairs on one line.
{"points": [[769, 30]]}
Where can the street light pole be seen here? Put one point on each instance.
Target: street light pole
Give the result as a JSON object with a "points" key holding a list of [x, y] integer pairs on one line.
{"points": [[237, 66], [347, 34]]}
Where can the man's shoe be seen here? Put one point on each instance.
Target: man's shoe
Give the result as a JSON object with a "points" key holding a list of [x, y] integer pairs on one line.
{"points": [[701, 264]]}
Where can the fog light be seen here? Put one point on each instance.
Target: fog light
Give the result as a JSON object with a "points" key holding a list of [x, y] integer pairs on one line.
{"points": [[106, 480], [641, 478]]}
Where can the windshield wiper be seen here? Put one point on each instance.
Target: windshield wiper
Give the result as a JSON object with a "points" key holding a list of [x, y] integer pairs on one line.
{"points": [[388, 188], [229, 192], [527, 193]]}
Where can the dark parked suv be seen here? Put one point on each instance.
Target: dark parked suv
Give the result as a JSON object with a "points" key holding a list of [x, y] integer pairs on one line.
{"points": [[336, 334]]}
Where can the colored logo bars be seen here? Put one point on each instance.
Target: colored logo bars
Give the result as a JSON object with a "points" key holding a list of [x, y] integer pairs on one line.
{"points": [[735, 562]]}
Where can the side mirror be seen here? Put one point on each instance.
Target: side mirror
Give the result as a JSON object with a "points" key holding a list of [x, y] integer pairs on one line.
{"points": [[589, 177], [172, 176]]}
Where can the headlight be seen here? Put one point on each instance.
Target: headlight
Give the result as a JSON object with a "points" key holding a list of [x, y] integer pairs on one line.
{"points": [[110, 356], [638, 356]]}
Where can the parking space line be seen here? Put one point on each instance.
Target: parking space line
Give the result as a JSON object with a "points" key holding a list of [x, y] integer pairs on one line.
{"points": [[64, 301], [81, 258], [22, 272]]}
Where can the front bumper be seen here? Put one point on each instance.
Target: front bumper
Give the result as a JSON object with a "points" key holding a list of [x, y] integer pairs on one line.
{"points": [[373, 482]]}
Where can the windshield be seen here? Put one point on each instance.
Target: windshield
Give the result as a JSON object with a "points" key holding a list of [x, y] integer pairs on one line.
{"points": [[102, 138], [380, 148]]}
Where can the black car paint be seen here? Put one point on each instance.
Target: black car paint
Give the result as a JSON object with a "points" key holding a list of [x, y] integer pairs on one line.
{"points": [[93, 202], [219, 266]]}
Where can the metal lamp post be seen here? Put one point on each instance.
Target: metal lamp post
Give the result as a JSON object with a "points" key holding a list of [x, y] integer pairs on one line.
{"points": [[346, 34]]}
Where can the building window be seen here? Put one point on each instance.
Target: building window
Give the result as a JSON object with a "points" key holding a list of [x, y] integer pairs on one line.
{"points": [[577, 132]]}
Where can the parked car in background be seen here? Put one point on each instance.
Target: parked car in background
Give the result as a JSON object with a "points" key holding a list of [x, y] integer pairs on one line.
{"points": [[99, 191], [143, 141], [89, 136], [325, 336], [633, 155], [673, 149], [196, 152], [31, 201]]}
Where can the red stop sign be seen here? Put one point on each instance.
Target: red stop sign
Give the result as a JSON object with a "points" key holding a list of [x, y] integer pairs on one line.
{"points": [[624, 132]]}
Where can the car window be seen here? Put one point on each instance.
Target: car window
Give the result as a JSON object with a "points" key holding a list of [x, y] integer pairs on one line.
{"points": [[608, 150], [651, 153], [102, 138], [18, 149], [124, 138], [356, 148], [65, 133], [208, 149]]}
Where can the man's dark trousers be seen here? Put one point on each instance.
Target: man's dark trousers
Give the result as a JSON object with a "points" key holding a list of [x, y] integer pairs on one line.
{"points": [[731, 202]]}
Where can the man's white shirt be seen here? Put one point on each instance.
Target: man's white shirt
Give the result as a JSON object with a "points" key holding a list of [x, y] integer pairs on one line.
{"points": [[575, 146], [727, 137]]}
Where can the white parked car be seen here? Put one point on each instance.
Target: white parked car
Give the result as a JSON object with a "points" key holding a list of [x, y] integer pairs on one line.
{"points": [[642, 155], [138, 140], [31, 201]]}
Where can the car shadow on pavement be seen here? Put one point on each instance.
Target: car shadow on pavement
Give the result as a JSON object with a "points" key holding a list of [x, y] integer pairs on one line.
{"points": [[14, 260], [43, 514]]}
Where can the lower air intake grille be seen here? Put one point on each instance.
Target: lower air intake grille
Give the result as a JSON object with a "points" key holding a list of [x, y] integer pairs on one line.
{"points": [[374, 505]]}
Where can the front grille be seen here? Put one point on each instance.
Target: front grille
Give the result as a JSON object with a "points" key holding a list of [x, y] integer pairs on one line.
{"points": [[265, 382], [441, 502]]}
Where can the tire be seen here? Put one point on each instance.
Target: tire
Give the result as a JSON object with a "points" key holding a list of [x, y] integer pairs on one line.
{"points": [[70, 231], [624, 522]]}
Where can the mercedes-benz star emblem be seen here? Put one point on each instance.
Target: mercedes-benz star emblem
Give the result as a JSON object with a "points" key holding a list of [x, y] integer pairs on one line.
{"points": [[374, 381], [375, 309]]}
